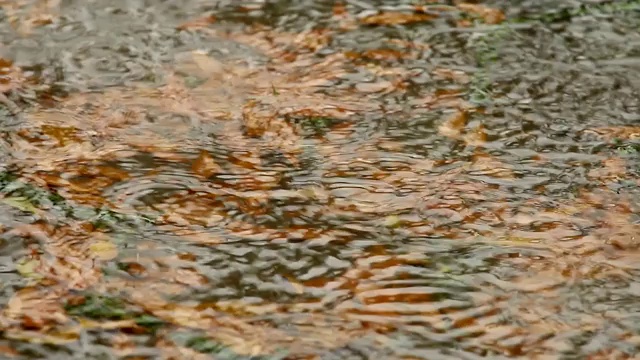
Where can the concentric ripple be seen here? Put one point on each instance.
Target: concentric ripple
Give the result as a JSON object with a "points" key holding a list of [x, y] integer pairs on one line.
{"points": [[319, 180]]}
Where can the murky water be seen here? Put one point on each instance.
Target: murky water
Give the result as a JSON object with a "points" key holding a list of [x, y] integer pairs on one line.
{"points": [[319, 180]]}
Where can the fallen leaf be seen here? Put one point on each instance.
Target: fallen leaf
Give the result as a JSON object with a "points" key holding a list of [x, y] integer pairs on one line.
{"points": [[103, 250], [27, 268], [20, 203], [53, 337], [197, 23], [489, 15], [384, 55], [339, 9], [90, 324], [476, 136], [11, 77], [396, 18], [456, 75], [615, 132], [392, 221], [374, 87], [205, 165], [7, 351], [490, 166], [454, 124]]}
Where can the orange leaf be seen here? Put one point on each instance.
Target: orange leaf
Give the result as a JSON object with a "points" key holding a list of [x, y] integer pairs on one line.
{"points": [[489, 15], [204, 165], [396, 18], [454, 124], [449, 74], [197, 23], [339, 9], [384, 54]]}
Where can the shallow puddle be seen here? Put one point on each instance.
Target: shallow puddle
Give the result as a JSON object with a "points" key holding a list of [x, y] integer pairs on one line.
{"points": [[319, 179]]}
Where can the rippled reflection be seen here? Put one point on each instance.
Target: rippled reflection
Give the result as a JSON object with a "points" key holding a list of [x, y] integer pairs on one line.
{"points": [[319, 180]]}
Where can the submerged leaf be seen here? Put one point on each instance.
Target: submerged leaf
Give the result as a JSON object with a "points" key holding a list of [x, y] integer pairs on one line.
{"points": [[98, 307], [396, 18], [20, 203], [489, 15], [53, 337], [104, 250], [204, 345], [205, 165], [454, 124], [392, 221], [27, 268]]}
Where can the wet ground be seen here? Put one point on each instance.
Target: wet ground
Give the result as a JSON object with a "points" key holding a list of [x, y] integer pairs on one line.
{"points": [[319, 179]]}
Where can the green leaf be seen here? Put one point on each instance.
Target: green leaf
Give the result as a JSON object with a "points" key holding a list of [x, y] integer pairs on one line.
{"points": [[204, 345], [101, 307], [149, 321]]}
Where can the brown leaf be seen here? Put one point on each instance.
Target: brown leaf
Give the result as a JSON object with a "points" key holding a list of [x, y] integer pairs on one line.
{"points": [[205, 165], [103, 250], [11, 77], [464, 23], [24, 19], [456, 75], [35, 308], [313, 39], [614, 169], [491, 166], [615, 132], [373, 87], [454, 124], [7, 351], [489, 15], [396, 18], [475, 136], [197, 23]]}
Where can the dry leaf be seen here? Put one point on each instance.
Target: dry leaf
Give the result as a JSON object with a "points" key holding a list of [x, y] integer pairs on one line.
{"points": [[454, 124], [28, 268], [205, 165], [396, 18], [491, 166], [20, 203], [476, 136], [374, 87], [456, 75], [103, 250], [489, 15], [613, 169], [197, 23], [615, 132], [339, 9]]}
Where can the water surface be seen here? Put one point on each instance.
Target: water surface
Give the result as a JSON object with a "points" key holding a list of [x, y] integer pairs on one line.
{"points": [[319, 180]]}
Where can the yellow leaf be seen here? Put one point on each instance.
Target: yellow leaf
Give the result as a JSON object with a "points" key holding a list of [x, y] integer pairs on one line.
{"points": [[397, 18], [103, 250], [53, 337], [20, 203], [27, 268], [392, 221]]}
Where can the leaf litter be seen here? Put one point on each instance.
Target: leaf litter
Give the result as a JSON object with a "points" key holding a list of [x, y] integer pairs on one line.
{"points": [[256, 109]]}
